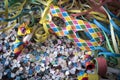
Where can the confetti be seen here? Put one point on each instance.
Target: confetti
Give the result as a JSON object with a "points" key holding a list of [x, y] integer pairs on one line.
{"points": [[59, 39]]}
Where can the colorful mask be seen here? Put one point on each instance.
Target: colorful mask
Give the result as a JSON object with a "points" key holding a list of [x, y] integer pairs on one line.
{"points": [[24, 30], [88, 77], [73, 27]]}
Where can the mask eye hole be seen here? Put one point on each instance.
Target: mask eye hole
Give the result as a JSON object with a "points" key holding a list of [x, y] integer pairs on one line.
{"points": [[83, 35], [58, 21], [23, 29], [85, 78]]}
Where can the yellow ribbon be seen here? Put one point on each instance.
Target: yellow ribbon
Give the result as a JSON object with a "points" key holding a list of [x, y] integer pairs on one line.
{"points": [[5, 12], [7, 28], [62, 2], [99, 16], [42, 2], [40, 35], [9, 10], [43, 17], [17, 8], [43, 21]]}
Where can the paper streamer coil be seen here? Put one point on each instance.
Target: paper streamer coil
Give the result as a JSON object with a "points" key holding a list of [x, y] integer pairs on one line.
{"points": [[101, 65]]}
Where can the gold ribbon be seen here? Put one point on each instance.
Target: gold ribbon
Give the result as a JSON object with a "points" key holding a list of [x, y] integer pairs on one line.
{"points": [[41, 37]]}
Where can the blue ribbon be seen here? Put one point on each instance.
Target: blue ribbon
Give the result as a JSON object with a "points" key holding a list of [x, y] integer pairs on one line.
{"points": [[101, 26], [109, 54], [114, 25], [105, 29], [111, 14], [100, 48]]}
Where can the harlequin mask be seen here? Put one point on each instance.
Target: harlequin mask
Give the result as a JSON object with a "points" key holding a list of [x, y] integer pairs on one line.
{"points": [[72, 28], [23, 29]]}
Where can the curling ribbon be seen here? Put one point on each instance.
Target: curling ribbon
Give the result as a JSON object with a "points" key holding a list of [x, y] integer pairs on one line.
{"points": [[43, 17], [43, 36], [94, 7], [112, 26], [40, 35], [109, 54], [101, 26], [73, 26], [6, 16], [17, 11], [17, 8], [112, 32], [101, 65], [111, 58], [100, 18], [5, 12], [108, 42], [7, 28]]}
